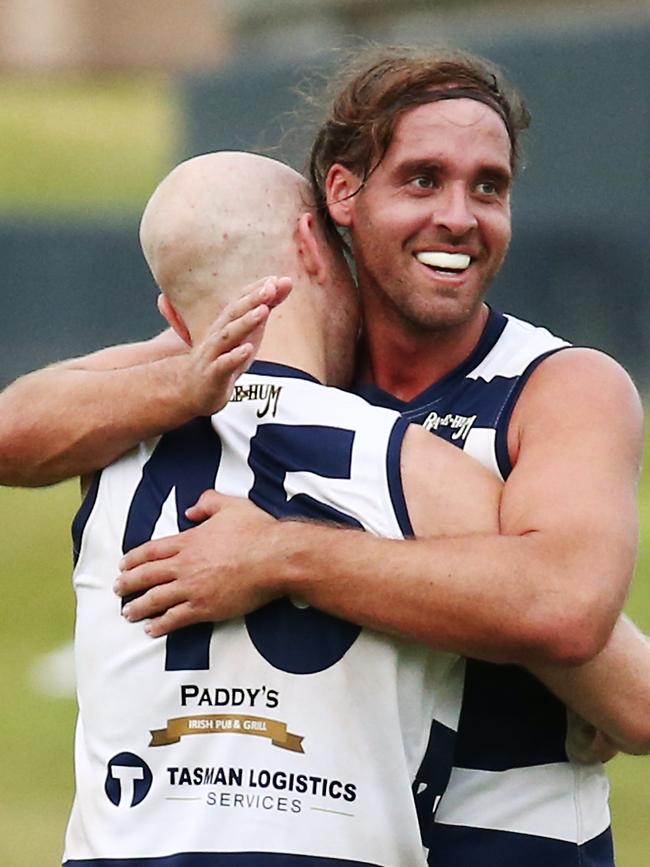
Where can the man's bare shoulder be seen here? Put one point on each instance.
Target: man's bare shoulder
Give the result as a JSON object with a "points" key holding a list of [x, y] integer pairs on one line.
{"points": [[578, 387]]}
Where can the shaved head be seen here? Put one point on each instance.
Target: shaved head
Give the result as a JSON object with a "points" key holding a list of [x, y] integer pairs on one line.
{"points": [[222, 221], [218, 222]]}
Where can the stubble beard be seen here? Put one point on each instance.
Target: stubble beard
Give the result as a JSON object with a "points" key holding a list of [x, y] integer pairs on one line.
{"points": [[421, 316], [424, 312], [445, 309]]}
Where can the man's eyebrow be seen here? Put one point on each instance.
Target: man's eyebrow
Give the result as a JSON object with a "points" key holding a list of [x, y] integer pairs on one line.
{"points": [[496, 172], [423, 166]]}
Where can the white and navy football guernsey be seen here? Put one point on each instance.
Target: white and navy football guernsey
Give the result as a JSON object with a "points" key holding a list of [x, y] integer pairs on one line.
{"points": [[514, 798], [286, 738]]}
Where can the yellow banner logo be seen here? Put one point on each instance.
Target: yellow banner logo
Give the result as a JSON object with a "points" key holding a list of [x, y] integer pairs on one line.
{"points": [[226, 723]]}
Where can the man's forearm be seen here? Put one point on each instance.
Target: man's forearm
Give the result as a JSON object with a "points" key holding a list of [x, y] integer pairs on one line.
{"points": [[163, 345], [80, 415], [612, 691], [475, 595], [66, 421], [533, 598]]}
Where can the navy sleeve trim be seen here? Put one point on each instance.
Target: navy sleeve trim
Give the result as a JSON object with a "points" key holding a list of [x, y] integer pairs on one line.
{"points": [[82, 516], [501, 443], [220, 859], [394, 475]]}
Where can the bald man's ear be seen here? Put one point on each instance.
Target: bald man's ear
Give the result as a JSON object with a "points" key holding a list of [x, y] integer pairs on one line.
{"points": [[340, 187], [174, 318], [309, 242]]}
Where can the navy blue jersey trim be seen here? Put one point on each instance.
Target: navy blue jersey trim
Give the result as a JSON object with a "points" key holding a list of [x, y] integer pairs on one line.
{"points": [[394, 475], [493, 330], [508, 720], [82, 516], [220, 859], [501, 435], [432, 777], [462, 846], [271, 368]]}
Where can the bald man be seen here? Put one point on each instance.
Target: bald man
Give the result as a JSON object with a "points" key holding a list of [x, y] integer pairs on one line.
{"points": [[287, 736]]}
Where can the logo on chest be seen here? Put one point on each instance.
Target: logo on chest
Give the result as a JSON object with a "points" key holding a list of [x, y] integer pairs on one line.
{"points": [[451, 425]]}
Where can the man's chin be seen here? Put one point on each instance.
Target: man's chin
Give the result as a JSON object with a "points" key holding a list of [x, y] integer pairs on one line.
{"points": [[442, 314]]}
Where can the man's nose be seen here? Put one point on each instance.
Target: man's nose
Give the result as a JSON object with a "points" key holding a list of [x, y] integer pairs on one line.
{"points": [[453, 210]]}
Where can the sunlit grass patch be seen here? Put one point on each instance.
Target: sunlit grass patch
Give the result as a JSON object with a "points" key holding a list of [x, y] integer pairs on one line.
{"points": [[76, 144]]}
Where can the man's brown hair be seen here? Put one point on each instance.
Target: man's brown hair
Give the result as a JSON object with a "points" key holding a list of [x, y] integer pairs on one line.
{"points": [[365, 100]]}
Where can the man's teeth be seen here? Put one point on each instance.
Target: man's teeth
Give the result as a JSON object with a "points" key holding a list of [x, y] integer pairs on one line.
{"points": [[448, 261]]}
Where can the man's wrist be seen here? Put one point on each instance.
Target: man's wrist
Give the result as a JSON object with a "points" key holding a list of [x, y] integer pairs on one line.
{"points": [[304, 556], [288, 563], [174, 378]]}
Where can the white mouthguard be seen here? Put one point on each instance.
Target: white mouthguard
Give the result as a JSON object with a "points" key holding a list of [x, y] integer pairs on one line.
{"points": [[448, 261]]}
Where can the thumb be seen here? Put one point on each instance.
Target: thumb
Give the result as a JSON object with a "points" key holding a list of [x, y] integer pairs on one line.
{"points": [[205, 507]]}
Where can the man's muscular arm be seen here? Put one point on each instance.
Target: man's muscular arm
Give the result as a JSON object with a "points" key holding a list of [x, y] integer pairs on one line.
{"points": [[611, 692], [181, 581], [73, 418], [549, 589]]}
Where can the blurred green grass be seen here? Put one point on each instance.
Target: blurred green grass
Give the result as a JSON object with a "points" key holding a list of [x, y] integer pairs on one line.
{"points": [[37, 732], [76, 144]]}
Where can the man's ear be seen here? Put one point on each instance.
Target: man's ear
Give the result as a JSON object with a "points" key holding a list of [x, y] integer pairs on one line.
{"points": [[309, 242], [174, 318], [340, 187]]}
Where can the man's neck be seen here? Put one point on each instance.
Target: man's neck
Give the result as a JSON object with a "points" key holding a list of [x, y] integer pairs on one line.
{"points": [[294, 336], [302, 333], [308, 362], [305, 348], [404, 362]]}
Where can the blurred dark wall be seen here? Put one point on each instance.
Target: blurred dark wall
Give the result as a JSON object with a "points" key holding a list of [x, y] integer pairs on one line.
{"points": [[69, 289], [580, 258]]}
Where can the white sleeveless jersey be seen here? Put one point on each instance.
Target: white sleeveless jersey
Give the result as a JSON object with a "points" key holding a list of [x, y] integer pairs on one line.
{"points": [[514, 798], [284, 738]]}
